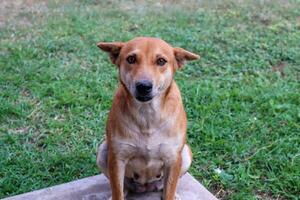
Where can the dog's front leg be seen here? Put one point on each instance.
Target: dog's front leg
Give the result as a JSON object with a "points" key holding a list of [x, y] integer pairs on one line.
{"points": [[172, 174], [116, 171]]}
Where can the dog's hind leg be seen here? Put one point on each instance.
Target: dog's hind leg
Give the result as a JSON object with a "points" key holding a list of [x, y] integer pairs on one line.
{"points": [[186, 155], [102, 158]]}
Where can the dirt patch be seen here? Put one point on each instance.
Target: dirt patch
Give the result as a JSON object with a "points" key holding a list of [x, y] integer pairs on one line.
{"points": [[267, 196], [279, 67], [220, 192], [21, 130], [20, 12]]}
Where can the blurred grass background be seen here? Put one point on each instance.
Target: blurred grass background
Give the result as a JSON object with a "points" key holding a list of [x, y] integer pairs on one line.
{"points": [[242, 97]]}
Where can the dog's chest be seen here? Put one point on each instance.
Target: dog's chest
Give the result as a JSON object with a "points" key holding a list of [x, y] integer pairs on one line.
{"points": [[150, 136], [158, 147]]}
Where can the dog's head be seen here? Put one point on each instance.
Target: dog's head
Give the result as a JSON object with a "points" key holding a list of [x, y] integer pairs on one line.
{"points": [[146, 65]]}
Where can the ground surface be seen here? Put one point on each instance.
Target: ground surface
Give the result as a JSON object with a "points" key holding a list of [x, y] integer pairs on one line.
{"points": [[242, 98], [97, 188]]}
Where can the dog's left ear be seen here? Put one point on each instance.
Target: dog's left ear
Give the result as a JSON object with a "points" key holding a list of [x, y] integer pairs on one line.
{"points": [[183, 55], [113, 48]]}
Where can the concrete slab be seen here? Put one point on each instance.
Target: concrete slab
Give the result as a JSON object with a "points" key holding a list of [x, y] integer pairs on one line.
{"points": [[97, 188]]}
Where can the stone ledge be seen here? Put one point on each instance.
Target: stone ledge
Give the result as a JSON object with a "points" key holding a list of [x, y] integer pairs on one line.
{"points": [[97, 188]]}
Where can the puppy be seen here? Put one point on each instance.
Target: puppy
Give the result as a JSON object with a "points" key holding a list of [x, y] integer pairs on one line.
{"points": [[147, 118], [142, 175]]}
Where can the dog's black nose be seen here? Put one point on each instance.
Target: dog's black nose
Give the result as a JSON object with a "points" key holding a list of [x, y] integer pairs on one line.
{"points": [[144, 87]]}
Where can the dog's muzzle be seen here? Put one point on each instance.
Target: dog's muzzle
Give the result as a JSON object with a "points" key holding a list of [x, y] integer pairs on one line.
{"points": [[143, 90]]}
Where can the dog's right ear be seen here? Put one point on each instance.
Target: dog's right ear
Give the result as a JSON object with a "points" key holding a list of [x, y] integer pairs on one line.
{"points": [[113, 48]]}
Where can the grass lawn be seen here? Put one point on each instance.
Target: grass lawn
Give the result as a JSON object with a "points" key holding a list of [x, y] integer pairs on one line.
{"points": [[242, 97]]}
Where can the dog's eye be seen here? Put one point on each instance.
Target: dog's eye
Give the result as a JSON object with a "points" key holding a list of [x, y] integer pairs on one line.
{"points": [[131, 59], [161, 62], [136, 176]]}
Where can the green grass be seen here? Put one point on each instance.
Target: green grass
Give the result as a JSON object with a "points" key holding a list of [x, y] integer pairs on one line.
{"points": [[242, 97]]}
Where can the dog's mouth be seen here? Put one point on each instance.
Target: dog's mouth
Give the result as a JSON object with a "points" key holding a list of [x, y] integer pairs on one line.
{"points": [[143, 98]]}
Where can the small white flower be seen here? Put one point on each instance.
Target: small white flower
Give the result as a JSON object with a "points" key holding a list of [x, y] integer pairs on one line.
{"points": [[218, 171]]}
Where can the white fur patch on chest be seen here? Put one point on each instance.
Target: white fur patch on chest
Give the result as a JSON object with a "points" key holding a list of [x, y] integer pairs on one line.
{"points": [[149, 147]]}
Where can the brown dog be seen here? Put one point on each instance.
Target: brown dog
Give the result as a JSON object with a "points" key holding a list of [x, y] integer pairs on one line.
{"points": [[147, 120]]}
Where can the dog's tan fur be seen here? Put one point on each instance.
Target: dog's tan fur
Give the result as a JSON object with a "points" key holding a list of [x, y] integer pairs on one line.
{"points": [[143, 175], [152, 130]]}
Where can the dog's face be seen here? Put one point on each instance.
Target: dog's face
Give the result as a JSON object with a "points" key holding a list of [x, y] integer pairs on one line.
{"points": [[146, 65]]}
